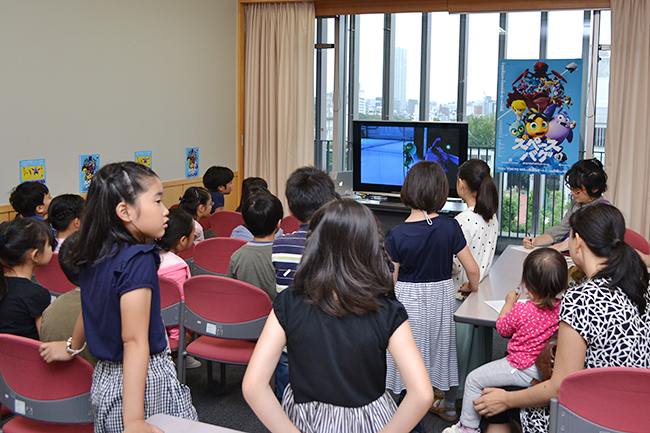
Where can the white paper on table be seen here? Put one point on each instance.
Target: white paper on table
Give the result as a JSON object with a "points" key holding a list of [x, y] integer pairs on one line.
{"points": [[498, 305], [523, 249]]}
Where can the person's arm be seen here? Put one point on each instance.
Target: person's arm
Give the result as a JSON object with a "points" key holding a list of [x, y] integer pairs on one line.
{"points": [[135, 307], [56, 350], [419, 393], [511, 298], [542, 240], [471, 269], [37, 321], [561, 246], [256, 385], [569, 358]]}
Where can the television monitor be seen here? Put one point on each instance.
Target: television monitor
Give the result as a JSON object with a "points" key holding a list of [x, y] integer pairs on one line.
{"points": [[384, 151]]}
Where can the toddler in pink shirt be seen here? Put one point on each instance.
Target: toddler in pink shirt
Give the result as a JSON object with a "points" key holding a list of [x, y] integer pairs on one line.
{"points": [[530, 324]]}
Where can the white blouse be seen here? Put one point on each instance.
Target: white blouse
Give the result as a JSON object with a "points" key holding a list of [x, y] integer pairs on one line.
{"points": [[481, 239]]}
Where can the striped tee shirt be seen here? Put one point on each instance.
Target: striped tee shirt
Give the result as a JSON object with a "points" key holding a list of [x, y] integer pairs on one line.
{"points": [[287, 252]]}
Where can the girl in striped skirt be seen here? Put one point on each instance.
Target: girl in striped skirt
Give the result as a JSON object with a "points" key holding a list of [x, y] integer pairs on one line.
{"points": [[422, 249], [337, 321]]}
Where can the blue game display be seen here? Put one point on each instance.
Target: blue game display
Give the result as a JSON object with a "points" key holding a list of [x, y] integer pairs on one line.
{"points": [[384, 151]]}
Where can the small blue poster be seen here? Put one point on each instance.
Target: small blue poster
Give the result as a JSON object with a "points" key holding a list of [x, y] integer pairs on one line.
{"points": [[538, 116], [88, 166], [191, 162], [32, 170], [143, 158]]}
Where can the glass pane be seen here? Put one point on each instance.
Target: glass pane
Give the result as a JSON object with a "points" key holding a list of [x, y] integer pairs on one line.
{"points": [[565, 32], [371, 51], [482, 68], [408, 48], [523, 35], [602, 104], [443, 90]]}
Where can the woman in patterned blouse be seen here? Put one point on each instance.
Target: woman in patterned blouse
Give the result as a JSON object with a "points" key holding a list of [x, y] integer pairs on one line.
{"points": [[595, 317]]}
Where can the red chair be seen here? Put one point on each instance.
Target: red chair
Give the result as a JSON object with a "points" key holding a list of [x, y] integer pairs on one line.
{"points": [[579, 406], [53, 398], [187, 254], [52, 277], [223, 222], [228, 314], [289, 224], [205, 223], [170, 304], [212, 256], [637, 241]]}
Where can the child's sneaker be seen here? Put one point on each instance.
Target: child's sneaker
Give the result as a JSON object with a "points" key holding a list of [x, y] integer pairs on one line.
{"points": [[459, 428], [191, 362]]}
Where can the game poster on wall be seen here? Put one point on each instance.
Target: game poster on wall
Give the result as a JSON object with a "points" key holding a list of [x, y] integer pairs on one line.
{"points": [[32, 170], [538, 116], [143, 158], [191, 162], [88, 166]]}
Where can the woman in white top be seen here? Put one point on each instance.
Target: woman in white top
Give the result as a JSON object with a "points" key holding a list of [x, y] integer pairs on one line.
{"points": [[480, 227]]}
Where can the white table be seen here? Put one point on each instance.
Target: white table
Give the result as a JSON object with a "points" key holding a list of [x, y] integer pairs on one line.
{"points": [[172, 424], [504, 277]]}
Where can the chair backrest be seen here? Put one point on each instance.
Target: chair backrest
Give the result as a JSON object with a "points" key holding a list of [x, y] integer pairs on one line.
{"points": [[223, 222], [58, 392], [289, 224], [637, 241], [225, 308], [52, 277], [187, 254], [579, 406], [170, 301], [212, 256], [205, 223]]}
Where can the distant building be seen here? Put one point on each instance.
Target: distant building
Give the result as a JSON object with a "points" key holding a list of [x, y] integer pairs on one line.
{"points": [[400, 79]]}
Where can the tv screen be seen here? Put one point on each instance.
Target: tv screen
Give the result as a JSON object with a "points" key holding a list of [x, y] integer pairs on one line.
{"points": [[384, 151]]}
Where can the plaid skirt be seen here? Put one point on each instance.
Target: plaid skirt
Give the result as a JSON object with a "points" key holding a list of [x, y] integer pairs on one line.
{"points": [[163, 393], [317, 417]]}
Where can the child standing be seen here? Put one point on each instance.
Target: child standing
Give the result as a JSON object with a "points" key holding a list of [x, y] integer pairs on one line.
{"points": [[120, 296], [480, 227], [530, 325], [25, 243], [64, 215], [422, 248], [262, 213], [218, 180], [337, 320], [197, 202]]}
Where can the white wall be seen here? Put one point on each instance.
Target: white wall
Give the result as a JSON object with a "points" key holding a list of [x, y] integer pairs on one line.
{"points": [[114, 77]]}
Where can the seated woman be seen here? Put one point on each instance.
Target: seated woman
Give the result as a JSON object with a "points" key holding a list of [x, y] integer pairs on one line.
{"points": [[587, 181], [604, 322]]}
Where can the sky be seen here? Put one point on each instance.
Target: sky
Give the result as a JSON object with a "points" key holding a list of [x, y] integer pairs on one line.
{"points": [[564, 41]]}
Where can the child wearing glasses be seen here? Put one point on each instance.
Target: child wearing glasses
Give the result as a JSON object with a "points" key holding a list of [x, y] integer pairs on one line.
{"points": [[587, 181]]}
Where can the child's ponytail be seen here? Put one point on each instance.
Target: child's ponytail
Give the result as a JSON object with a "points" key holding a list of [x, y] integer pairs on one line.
{"points": [[476, 174], [602, 228]]}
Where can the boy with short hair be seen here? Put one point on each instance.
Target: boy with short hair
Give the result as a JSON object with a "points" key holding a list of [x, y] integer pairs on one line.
{"points": [[218, 180], [262, 213], [31, 199], [308, 188]]}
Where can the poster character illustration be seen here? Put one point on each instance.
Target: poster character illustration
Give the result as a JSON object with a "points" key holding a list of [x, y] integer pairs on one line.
{"points": [[32, 170], [88, 166], [191, 162], [538, 121], [394, 150], [143, 158]]}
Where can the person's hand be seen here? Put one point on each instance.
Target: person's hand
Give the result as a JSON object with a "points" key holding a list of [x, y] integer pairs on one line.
{"points": [[54, 351], [529, 242], [512, 297], [141, 426], [465, 289], [491, 402]]}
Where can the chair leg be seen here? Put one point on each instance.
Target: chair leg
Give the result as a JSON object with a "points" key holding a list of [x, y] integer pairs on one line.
{"points": [[209, 366]]}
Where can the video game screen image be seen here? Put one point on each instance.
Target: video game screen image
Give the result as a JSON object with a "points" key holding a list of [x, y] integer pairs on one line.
{"points": [[385, 151]]}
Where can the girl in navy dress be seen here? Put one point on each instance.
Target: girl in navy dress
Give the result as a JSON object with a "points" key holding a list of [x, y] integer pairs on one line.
{"points": [[337, 321], [422, 249], [120, 299]]}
